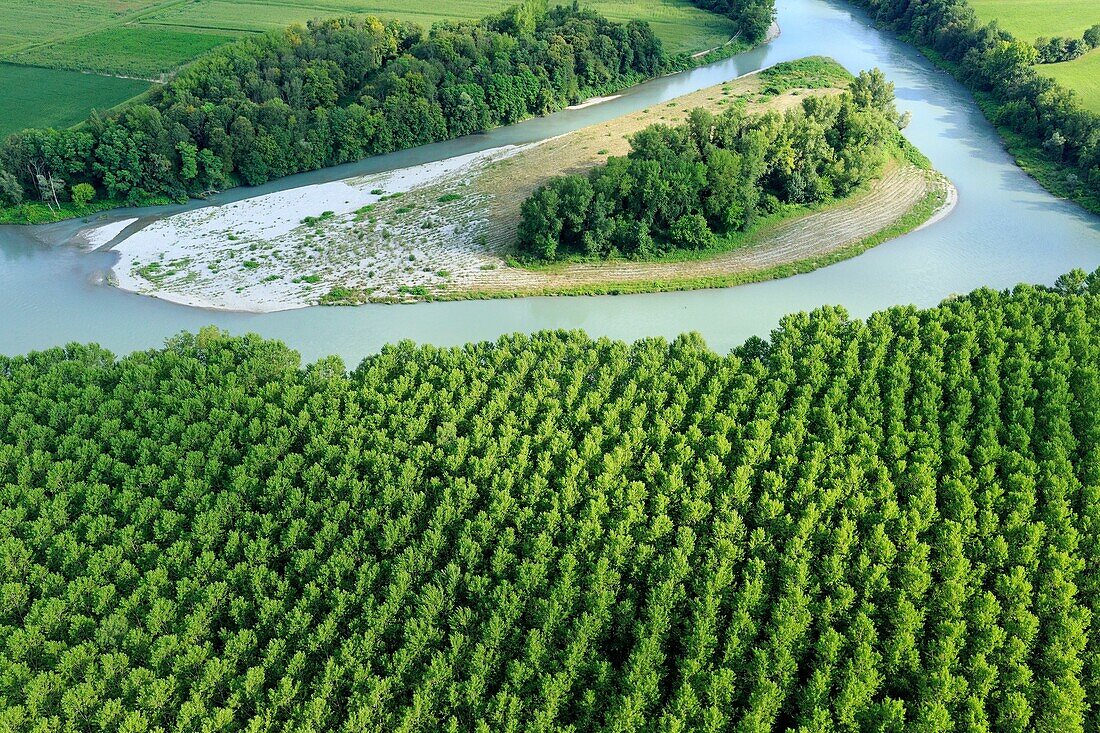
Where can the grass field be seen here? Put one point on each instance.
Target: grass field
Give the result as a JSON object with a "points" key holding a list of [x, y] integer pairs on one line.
{"points": [[130, 50], [679, 24], [29, 22], [150, 37], [1082, 75], [34, 97], [1029, 19]]}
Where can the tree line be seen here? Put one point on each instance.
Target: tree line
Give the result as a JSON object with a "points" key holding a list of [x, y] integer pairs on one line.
{"points": [[682, 187], [1058, 49], [1000, 69], [331, 92], [880, 525]]}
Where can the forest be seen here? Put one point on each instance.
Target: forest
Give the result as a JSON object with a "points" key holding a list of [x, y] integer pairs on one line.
{"points": [[682, 187], [890, 524], [334, 91], [999, 69]]}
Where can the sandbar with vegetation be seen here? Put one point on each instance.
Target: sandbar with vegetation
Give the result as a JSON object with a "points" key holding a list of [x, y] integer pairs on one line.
{"points": [[446, 230]]}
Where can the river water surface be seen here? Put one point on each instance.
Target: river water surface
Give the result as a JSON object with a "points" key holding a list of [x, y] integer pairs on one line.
{"points": [[1005, 230]]}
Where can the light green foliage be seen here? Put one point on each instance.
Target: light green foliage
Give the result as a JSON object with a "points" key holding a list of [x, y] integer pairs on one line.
{"points": [[33, 97], [881, 525], [82, 194]]}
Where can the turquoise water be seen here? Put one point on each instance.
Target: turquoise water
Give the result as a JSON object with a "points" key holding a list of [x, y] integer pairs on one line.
{"points": [[1005, 229]]}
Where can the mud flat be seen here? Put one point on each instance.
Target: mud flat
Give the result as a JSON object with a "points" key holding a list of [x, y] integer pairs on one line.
{"points": [[445, 230]]}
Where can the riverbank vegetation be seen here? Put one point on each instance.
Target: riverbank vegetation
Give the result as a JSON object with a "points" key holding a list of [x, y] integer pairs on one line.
{"points": [[448, 230], [682, 187], [888, 524], [331, 92], [1051, 134]]}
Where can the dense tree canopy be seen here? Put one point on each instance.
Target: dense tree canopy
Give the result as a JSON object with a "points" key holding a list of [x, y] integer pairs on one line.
{"points": [[880, 525], [680, 187], [334, 91]]}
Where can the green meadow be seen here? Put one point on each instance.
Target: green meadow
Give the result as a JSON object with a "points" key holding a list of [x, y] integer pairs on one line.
{"points": [[132, 50], [1030, 19], [680, 25], [1082, 75], [35, 97]]}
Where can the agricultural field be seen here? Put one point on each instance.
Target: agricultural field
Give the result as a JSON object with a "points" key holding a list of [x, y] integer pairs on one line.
{"points": [[147, 38], [880, 525], [1031, 19], [28, 23], [1082, 75], [35, 97], [679, 24], [138, 51]]}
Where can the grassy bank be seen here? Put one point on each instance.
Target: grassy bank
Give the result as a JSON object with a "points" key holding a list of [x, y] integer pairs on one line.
{"points": [[1032, 19]]}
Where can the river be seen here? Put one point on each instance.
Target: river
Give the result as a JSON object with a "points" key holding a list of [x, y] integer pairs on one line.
{"points": [[1006, 229]]}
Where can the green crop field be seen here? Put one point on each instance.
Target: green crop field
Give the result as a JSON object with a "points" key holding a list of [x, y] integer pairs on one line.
{"points": [[1029, 19], [35, 97], [680, 25], [27, 23], [1082, 75], [147, 37], [130, 50]]}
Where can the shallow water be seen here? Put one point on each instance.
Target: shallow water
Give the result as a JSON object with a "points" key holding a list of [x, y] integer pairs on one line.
{"points": [[1005, 229]]}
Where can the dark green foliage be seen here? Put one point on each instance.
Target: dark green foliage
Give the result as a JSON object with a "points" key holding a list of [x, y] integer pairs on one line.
{"points": [[681, 187], [881, 525], [336, 91], [999, 67]]}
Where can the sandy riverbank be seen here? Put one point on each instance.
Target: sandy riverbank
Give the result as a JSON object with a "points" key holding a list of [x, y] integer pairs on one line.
{"points": [[97, 236], [275, 252]]}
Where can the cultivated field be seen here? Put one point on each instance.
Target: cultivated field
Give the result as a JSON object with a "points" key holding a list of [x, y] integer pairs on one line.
{"points": [[1081, 75], [34, 97], [150, 37], [142, 51], [1030, 19]]}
